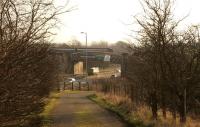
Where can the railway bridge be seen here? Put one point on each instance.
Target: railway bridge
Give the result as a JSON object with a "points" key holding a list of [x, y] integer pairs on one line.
{"points": [[73, 60]]}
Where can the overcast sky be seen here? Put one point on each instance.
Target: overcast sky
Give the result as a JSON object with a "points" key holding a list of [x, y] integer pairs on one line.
{"points": [[108, 19]]}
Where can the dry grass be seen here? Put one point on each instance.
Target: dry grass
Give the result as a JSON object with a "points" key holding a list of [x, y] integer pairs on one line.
{"points": [[143, 113]]}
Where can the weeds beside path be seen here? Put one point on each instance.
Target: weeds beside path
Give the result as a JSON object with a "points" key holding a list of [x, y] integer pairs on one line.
{"points": [[120, 111]]}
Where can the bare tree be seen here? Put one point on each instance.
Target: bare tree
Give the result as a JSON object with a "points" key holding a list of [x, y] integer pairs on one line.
{"points": [[100, 44], [157, 31], [74, 43], [163, 70], [170, 56], [26, 68]]}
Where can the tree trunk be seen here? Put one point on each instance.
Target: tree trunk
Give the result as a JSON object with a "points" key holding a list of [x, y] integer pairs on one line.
{"points": [[174, 114], [154, 111], [182, 108], [154, 105], [132, 93], [164, 112], [164, 107]]}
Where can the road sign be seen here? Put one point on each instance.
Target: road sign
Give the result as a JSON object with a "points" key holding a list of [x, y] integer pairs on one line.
{"points": [[99, 57], [107, 58]]}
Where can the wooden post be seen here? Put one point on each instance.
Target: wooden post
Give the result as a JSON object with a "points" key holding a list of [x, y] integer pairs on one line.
{"points": [[88, 86], [72, 86], [64, 86], [79, 85]]}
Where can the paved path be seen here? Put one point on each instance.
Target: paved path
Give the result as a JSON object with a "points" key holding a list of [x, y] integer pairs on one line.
{"points": [[75, 110]]}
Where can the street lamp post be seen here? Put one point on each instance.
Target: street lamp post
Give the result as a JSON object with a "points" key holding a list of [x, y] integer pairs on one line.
{"points": [[86, 60]]}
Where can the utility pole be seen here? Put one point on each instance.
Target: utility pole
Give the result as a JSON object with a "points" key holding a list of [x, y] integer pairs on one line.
{"points": [[86, 58]]}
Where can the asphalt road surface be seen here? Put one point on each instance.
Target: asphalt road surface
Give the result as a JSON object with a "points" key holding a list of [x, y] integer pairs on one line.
{"points": [[76, 110]]}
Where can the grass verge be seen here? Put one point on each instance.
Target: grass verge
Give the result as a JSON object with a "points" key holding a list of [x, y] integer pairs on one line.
{"points": [[120, 111], [51, 102]]}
